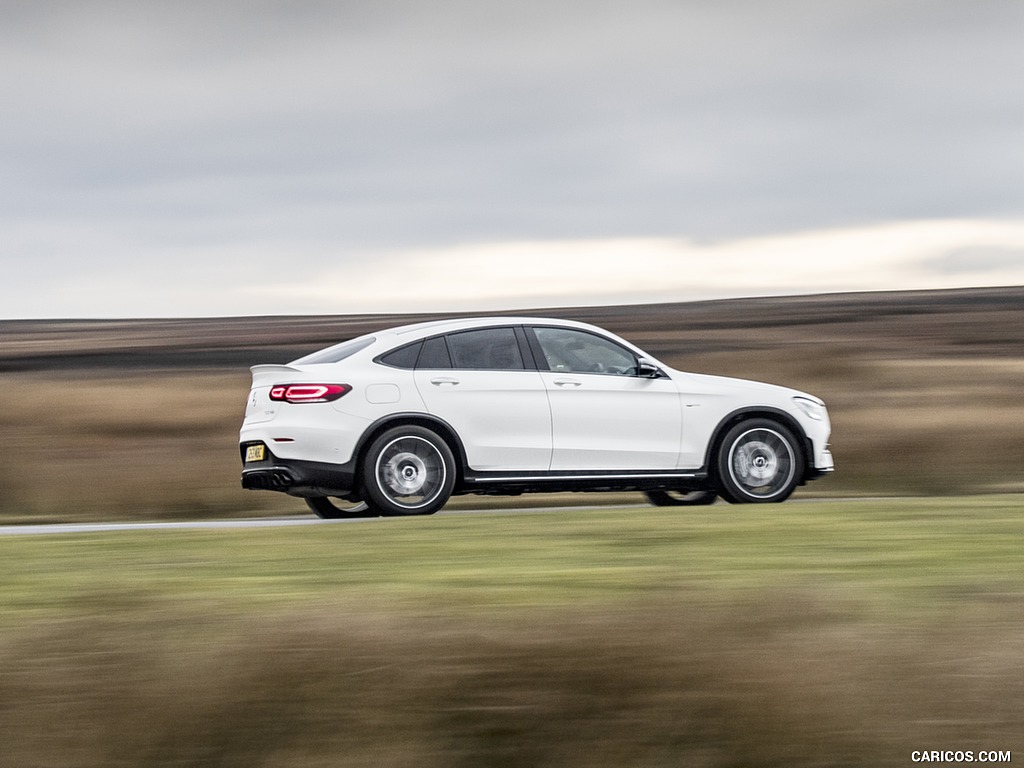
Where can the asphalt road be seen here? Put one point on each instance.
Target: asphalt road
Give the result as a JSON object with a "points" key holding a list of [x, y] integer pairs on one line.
{"points": [[264, 522], [67, 528]]}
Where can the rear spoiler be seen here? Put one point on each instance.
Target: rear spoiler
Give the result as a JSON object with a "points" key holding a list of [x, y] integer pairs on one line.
{"points": [[262, 372]]}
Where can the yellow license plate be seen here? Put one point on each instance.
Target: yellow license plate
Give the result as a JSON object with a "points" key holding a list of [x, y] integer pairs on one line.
{"points": [[255, 453]]}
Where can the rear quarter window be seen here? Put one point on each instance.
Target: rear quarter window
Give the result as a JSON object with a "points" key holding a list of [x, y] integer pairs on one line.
{"points": [[403, 357]]}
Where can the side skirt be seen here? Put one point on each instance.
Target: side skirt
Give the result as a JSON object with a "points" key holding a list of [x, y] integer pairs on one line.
{"points": [[502, 483]]}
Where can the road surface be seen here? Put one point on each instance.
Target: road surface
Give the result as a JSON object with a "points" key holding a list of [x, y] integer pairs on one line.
{"points": [[263, 522]]}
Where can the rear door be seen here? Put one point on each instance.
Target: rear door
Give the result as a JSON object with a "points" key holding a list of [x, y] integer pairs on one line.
{"points": [[479, 382]]}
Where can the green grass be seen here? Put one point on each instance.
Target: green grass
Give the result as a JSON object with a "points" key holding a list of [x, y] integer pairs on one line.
{"points": [[803, 634], [916, 554]]}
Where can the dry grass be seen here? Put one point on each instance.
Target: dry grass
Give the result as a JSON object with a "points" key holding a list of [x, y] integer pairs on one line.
{"points": [[133, 446], [781, 682], [164, 445], [923, 390]]}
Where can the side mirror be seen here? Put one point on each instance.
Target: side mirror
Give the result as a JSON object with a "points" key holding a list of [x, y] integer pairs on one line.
{"points": [[645, 369]]}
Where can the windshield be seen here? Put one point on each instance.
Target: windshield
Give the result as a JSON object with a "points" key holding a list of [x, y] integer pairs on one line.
{"points": [[337, 353]]}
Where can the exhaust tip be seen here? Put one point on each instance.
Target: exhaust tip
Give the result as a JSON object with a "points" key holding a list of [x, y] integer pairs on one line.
{"points": [[270, 479]]}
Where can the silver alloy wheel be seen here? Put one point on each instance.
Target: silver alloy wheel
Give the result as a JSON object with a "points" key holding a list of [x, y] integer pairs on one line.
{"points": [[762, 463], [411, 472]]}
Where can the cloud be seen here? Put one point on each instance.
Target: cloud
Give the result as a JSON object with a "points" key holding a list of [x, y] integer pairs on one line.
{"points": [[978, 259], [545, 273], [190, 144], [276, 277]]}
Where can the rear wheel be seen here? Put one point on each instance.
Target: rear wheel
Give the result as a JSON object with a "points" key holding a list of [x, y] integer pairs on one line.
{"points": [[759, 462], [408, 470], [681, 498], [337, 509]]}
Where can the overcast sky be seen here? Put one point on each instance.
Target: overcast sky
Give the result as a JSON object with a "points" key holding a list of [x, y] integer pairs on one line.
{"points": [[225, 158]]}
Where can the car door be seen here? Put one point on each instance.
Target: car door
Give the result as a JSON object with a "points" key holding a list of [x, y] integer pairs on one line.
{"points": [[603, 415], [478, 382]]}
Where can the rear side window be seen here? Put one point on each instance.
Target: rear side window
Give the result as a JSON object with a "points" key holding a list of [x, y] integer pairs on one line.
{"points": [[403, 357], [488, 349]]}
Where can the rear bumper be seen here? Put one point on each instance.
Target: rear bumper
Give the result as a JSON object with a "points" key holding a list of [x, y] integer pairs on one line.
{"points": [[296, 477]]}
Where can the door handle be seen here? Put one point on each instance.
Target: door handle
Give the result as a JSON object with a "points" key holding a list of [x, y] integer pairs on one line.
{"points": [[441, 381], [567, 383]]}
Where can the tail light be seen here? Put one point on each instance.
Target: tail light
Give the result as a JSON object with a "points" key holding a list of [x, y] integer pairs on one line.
{"points": [[308, 393]]}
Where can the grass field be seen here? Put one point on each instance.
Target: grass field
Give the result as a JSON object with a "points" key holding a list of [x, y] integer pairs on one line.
{"points": [[822, 632], [164, 445], [819, 633]]}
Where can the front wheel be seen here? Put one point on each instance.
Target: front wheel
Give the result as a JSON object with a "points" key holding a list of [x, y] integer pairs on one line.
{"points": [[759, 462], [408, 471]]}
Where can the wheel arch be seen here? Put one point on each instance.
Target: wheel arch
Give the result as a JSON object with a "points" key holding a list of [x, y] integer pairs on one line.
{"points": [[443, 429], [758, 412]]}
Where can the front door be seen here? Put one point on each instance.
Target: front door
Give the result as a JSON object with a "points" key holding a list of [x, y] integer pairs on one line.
{"points": [[603, 415]]}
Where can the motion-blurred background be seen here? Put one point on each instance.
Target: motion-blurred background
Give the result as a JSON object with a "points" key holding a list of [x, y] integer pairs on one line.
{"points": [[826, 195], [138, 419]]}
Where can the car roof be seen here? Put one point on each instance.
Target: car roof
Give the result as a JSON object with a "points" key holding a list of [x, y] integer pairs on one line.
{"points": [[382, 340], [464, 323]]}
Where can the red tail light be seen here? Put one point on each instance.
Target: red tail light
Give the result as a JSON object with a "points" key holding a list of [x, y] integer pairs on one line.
{"points": [[308, 393]]}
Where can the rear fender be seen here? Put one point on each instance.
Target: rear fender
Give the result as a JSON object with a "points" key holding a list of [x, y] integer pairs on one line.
{"points": [[441, 427]]}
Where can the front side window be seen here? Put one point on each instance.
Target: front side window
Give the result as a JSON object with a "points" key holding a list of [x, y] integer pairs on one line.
{"points": [[567, 350], [488, 349]]}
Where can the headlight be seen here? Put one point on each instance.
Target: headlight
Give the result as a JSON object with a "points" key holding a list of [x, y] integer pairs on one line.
{"points": [[812, 408]]}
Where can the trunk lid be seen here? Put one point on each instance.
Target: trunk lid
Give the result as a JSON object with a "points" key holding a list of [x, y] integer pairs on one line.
{"points": [[260, 407]]}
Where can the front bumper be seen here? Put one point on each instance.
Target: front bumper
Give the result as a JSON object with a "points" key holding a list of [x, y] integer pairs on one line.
{"points": [[825, 462], [296, 477], [823, 465]]}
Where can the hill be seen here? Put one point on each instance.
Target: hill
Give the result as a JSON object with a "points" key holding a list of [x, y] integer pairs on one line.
{"points": [[971, 322]]}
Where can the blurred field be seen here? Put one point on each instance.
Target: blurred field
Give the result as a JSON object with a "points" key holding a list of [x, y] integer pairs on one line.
{"points": [[138, 419], [824, 633]]}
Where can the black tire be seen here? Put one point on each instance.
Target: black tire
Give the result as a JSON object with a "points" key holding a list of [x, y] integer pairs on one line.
{"points": [[681, 498], [759, 462], [338, 509], [408, 470]]}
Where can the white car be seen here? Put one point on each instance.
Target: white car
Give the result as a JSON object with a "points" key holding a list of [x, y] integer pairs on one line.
{"points": [[396, 422]]}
